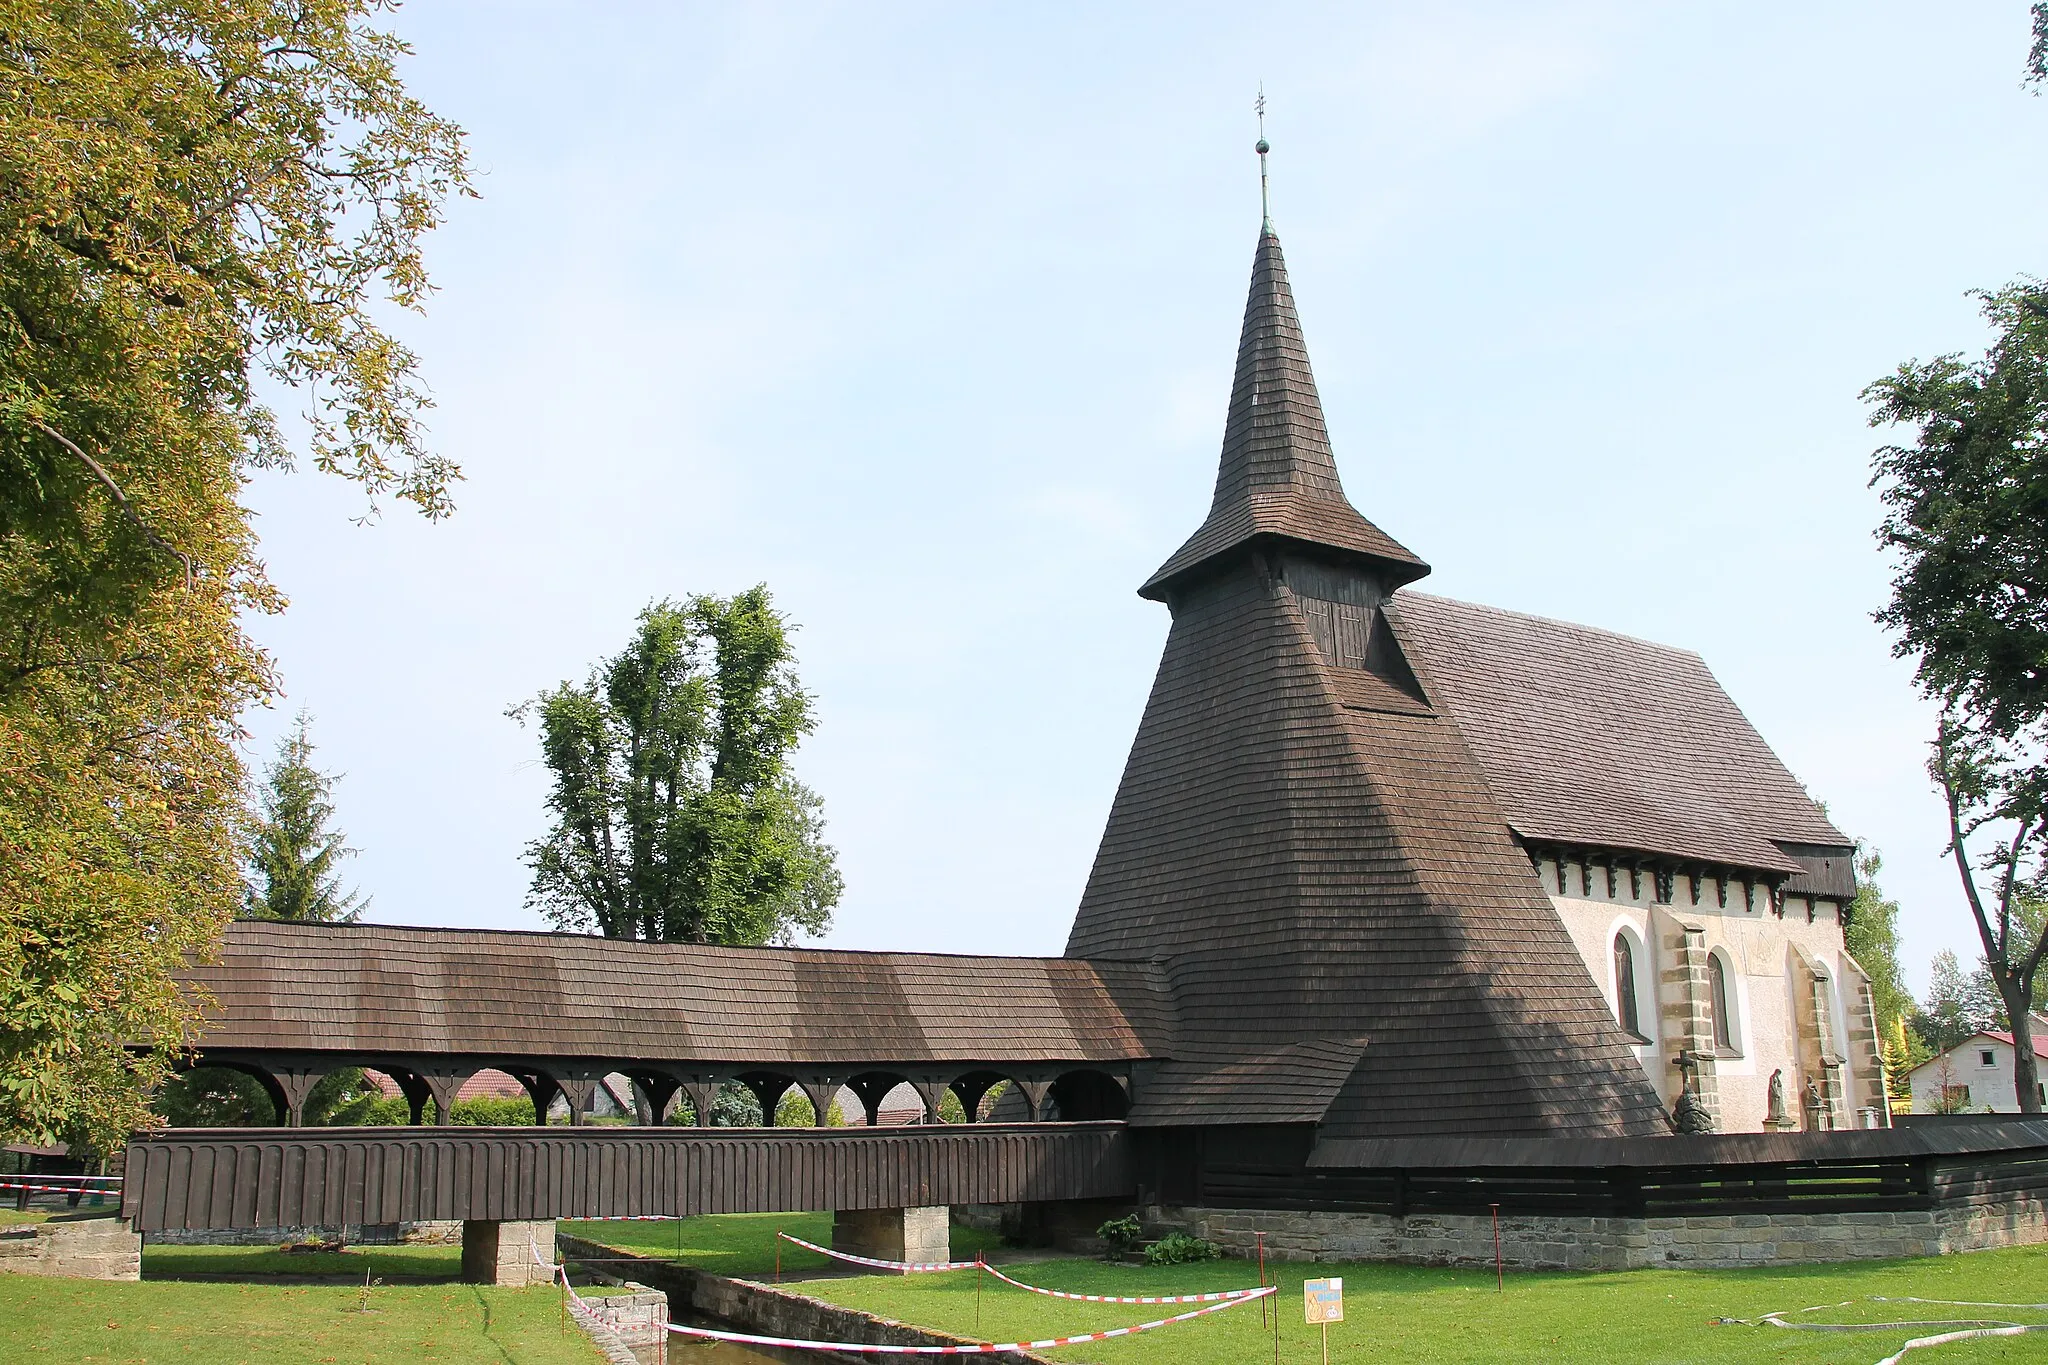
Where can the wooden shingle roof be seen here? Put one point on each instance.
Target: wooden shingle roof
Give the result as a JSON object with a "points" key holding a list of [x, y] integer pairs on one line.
{"points": [[384, 989], [1294, 1084], [1593, 738], [1306, 846], [1277, 477]]}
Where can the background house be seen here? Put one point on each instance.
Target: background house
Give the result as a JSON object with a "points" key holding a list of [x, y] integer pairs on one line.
{"points": [[1975, 1076]]}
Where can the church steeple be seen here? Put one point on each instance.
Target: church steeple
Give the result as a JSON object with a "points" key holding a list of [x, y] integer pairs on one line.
{"points": [[1277, 477]]}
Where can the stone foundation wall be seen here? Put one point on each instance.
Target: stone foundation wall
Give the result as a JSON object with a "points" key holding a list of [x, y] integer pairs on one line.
{"points": [[1543, 1242], [639, 1318], [442, 1232], [95, 1248], [742, 1305]]}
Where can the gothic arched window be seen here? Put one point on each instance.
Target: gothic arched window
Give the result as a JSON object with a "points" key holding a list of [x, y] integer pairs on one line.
{"points": [[1717, 997], [1625, 986]]}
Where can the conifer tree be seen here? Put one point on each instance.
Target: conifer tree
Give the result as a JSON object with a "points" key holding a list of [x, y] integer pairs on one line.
{"points": [[292, 850]]}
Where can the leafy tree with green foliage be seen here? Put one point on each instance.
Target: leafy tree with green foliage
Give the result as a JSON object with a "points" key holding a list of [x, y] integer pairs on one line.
{"points": [[197, 201], [2037, 56], [1957, 1004], [1967, 519], [221, 1097], [1872, 938], [676, 817], [292, 852]]}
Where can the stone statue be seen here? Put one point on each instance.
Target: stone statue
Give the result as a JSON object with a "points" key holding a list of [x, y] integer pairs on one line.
{"points": [[1690, 1114], [1778, 1116], [1815, 1106]]}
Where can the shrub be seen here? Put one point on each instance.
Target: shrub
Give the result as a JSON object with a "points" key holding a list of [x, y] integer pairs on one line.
{"points": [[1119, 1235], [1177, 1248], [493, 1111], [387, 1111]]}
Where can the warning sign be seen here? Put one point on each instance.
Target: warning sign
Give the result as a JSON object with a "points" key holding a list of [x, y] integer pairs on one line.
{"points": [[1323, 1301]]}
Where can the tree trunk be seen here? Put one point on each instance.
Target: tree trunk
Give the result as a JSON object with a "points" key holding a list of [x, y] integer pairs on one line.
{"points": [[2026, 1071]]}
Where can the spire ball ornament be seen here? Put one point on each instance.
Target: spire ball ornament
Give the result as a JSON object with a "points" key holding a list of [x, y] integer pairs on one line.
{"points": [[1262, 146]]}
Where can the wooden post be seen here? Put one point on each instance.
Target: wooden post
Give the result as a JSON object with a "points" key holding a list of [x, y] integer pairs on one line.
{"points": [[1500, 1277], [1326, 1344]]}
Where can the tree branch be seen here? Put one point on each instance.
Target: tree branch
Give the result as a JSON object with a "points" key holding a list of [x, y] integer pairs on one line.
{"points": [[121, 501], [2006, 878], [1957, 846]]}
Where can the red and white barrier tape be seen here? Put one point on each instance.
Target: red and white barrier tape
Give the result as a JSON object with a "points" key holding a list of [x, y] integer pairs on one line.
{"points": [[46, 1188], [975, 1349], [907, 1267], [560, 1271], [1967, 1330], [1119, 1298], [627, 1218]]}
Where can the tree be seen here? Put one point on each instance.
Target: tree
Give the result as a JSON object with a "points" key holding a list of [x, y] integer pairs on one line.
{"points": [[676, 818], [1957, 1005], [1966, 514], [1871, 935], [221, 1097], [292, 852], [2037, 56], [1991, 784], [1872, 938], [196, 200]]}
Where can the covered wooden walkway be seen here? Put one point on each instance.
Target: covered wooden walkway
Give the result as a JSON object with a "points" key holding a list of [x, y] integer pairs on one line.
{"points": [[227, 1178]]}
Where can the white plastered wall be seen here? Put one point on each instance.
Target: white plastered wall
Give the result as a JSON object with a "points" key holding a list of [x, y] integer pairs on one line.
{"points": [[1765, 978]]}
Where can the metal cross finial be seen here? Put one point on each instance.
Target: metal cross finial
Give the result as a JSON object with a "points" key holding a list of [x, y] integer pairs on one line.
{"points": [[1265, 207]]}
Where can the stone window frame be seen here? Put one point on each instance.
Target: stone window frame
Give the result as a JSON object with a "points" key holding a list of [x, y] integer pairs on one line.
{"points": [[1724, 1004]]}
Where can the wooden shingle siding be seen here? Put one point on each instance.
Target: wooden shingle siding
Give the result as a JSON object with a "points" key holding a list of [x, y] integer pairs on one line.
{"points": [[1308, 870], [223, 1178]]}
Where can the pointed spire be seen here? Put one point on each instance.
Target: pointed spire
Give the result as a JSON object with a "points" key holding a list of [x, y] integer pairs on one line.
{"points": [[1277, 476]]}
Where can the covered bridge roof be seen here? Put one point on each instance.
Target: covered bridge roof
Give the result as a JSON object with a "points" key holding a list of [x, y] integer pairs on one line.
{"points": [[375, 988]]}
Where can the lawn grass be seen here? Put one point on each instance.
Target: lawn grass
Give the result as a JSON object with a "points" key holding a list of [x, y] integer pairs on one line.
{"points": [[279, 1324], [743, 1245], [1424, 1316], [14, 1218], [385, 1263]]}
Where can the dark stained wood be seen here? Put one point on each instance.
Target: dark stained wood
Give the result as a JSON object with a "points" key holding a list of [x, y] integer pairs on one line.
{"points": [[228, 1178]]}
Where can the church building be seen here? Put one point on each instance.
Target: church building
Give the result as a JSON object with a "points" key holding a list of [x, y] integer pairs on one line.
{"points": [[1410, 865]]}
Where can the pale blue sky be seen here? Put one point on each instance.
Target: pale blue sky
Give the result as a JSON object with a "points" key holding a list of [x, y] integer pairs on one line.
{"points": [[925, 317]]}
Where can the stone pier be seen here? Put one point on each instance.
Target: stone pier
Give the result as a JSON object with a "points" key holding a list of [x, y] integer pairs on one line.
{"points": [[503, 1253], [97, 1247], [917, 1235]]}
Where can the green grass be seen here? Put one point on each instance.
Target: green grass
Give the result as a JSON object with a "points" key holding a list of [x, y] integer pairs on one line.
{"points": [[273, 1324], [743, 1245], [1420, 1316], [14, 1218], [387, 1263]]}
